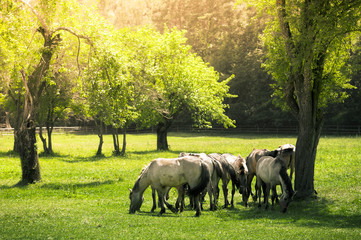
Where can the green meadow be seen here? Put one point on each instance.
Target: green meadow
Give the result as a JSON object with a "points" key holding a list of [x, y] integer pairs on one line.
{"points": [[86, 197]]}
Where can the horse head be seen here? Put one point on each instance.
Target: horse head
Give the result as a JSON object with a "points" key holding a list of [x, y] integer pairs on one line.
{"points": [[285, 200], [136, 200]]}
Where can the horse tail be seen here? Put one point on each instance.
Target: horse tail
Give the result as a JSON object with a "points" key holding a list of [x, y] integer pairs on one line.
{"points": [[217, 167], [286, 179], [232, 172], [204, 180]]}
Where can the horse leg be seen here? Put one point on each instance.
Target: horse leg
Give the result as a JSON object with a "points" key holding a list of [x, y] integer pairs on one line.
{"points": [[161, 202], [274, 195], [169, 206], [154, 200], [266, 194], [225, 192], [197, 200], [233, 191], [249, 187], [210, 194], [181, 198], [258, 188], [256, 192]]}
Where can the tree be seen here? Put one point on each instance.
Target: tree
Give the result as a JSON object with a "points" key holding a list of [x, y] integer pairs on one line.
{"points": [[171, 80], [307, 43], [108, 85], [33, 36], [54, 103]]}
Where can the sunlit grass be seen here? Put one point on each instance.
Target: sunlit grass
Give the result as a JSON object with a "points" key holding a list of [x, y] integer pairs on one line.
{"points": [[86, 197]]}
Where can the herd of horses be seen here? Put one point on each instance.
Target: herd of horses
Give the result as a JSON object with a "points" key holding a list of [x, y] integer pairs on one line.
{"points": [[197, 174]]}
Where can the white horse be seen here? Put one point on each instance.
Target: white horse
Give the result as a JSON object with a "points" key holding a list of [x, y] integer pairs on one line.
{"points": [[270, 173], [163, 173], [214, 171]]}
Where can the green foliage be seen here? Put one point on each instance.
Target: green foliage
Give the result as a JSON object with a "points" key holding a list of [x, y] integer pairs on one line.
{"points": [[82, 196], [174, 79], [108, 84], [318, 46]]}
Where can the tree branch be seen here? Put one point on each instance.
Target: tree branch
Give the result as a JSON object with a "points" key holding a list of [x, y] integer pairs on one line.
{"points": [[285, 27], [40, 19]]}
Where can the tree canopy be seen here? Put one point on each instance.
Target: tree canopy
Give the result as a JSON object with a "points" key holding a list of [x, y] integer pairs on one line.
{"points": [[308, 43]]}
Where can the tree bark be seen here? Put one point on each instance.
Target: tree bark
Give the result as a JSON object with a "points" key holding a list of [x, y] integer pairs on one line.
{"points": [[49, 128], [124, 141], [28, 154], [100, 135], [43, 140], [116, 141], [162, 132], [7, 120], [307, 142]]}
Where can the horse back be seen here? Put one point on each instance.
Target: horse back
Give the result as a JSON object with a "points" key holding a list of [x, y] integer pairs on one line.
{"points": [[174, 172], [253, 158], [268, 169]]}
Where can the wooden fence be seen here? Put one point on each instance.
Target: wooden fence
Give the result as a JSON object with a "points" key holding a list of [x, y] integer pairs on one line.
{"points": [[340, 130]]}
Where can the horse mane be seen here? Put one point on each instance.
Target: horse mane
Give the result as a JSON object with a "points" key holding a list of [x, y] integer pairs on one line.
{"points": [[231, 171], [216, 166], [286, 179], [142, 173]]}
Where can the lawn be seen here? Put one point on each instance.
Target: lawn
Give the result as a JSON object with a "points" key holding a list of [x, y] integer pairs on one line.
{"points": [[85, 197]]}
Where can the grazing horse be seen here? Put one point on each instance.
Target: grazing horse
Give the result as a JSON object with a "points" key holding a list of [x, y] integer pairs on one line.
{"points": [[235, 169], [214, 171], [163, 173], [270, 173], [251, 161], [289, 158]]}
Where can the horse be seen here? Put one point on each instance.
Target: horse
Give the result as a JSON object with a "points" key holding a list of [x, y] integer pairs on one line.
{"points": [[289, 158], [270, 173], [215, 171], [163, 173], [235, 169], [251, 162]]}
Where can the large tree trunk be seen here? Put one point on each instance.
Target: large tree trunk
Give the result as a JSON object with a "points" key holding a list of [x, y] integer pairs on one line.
{"points": [[310, 119], [26, 136], [162, 131], [306, 149]]}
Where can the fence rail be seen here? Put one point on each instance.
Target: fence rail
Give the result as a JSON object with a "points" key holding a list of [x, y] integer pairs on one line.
{"points": [[341, 130]]}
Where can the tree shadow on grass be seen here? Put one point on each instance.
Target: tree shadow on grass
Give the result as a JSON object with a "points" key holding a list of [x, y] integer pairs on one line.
{"points": [[308, 213], [56, 186], [9, 154], [73, 185], [152, 151]]}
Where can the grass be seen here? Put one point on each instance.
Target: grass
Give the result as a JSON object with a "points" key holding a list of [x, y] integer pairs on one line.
{"points": [[85, 197]]}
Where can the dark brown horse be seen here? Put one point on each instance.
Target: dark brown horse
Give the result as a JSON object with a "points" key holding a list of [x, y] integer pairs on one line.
{"points": [[232, 168]]}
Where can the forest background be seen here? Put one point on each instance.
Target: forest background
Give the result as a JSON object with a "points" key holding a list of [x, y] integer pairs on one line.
{"points": [[228, 38]]}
